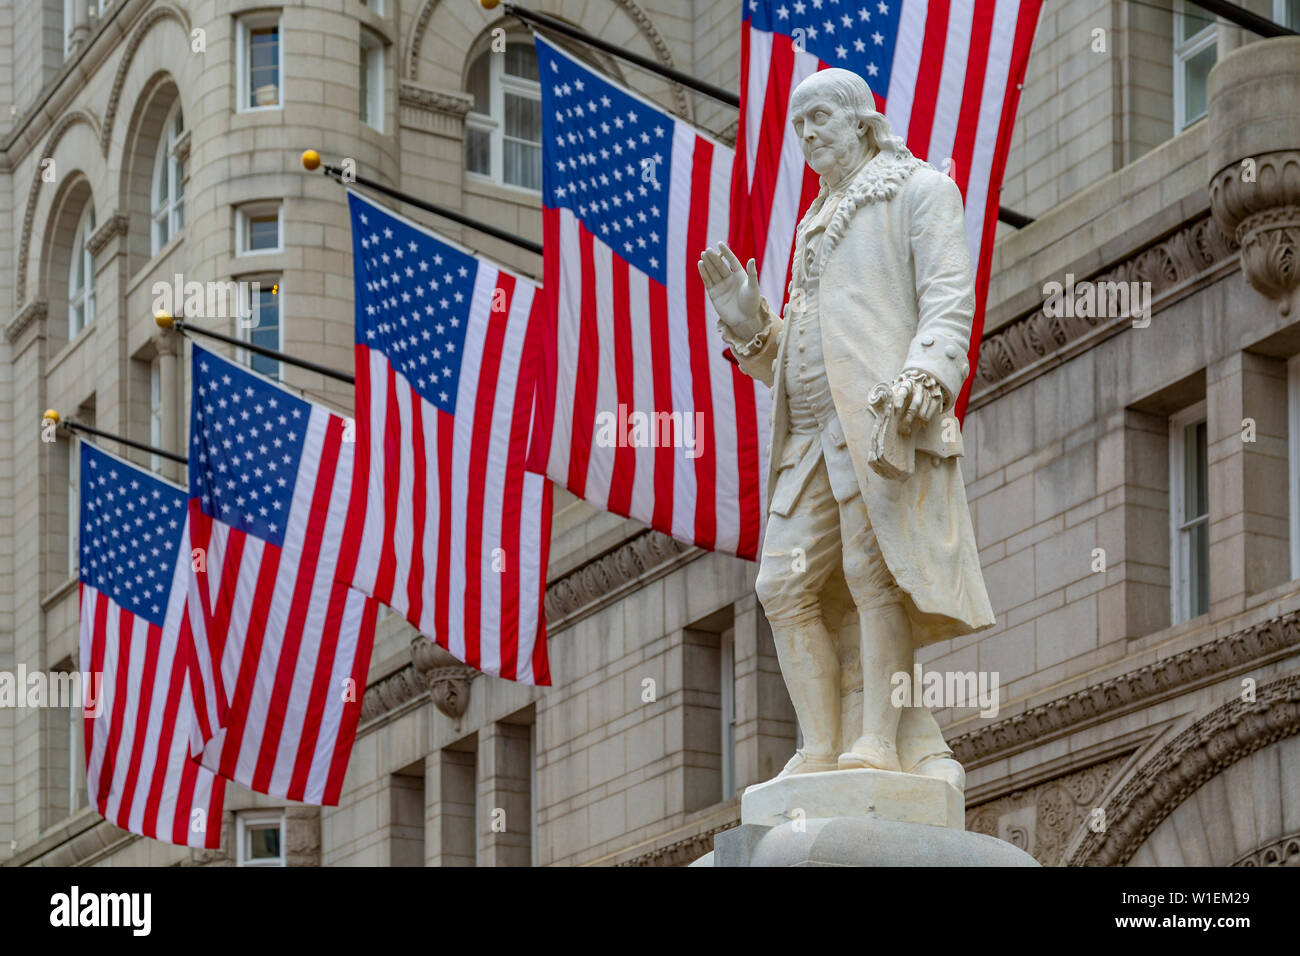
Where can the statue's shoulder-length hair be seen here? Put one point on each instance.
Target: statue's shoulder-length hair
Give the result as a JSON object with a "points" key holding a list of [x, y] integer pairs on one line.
{"points": [[851, 91]]}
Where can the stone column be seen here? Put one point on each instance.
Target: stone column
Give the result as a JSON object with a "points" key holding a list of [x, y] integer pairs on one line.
{"points": [[504, 800], [1246, 419], [1254, 164]]}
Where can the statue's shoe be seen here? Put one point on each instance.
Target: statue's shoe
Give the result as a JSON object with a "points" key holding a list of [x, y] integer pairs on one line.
{"points": [[803, 762], [871, 752], [942, 767]]}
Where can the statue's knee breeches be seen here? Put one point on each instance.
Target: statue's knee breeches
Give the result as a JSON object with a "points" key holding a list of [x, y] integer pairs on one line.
{"points": [[867, 575]]}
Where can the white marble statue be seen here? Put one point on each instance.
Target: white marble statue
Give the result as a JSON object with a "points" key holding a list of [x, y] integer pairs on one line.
{"points": [[881, 294]]}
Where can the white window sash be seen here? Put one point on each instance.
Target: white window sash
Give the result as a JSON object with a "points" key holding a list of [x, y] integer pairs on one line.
{"points": [[1180, 557], [1184, 51]]}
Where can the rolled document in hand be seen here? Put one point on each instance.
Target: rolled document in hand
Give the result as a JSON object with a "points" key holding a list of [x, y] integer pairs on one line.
{"points": [[892, 455]]}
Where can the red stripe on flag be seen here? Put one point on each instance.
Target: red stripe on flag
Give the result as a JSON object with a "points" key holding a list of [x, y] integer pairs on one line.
{"points": [[587, 378], [300, 603], [480, 443], [419, 490], [392, 489], [352, 709], [767, 161], [929, 73], [661, 361], [1024, 38], [320, 688], [144, 708], [968, 119], [706, 504], [446, 426], [118, 719], [539, 451], [358, 501], [739, 235], [624, 473]]}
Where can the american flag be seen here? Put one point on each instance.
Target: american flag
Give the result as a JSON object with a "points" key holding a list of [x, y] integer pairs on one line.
{"points": [[134, 632], [640, 413], [450, 531], [282, 647], [947, 75]]}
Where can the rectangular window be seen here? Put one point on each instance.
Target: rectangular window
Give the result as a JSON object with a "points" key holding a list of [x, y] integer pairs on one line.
{"points": [[259, 322], [1287, 13], [1195, 50], [372, 81], [1189, 551], [74, 509], [259, 838], [155, 411], [258, 63], [727, 688], [258, 228]]}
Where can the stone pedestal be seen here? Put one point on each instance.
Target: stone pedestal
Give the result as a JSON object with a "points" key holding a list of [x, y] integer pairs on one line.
{"points": [[904, 797], [857, 818], [859, 841]]}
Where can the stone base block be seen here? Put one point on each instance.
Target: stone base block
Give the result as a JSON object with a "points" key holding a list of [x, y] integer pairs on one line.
{"points": [[859, 841], [903, 797]]}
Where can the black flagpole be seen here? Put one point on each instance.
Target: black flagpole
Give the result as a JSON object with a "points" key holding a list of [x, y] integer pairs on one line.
{"points": [[166, 321], [77, 427]]}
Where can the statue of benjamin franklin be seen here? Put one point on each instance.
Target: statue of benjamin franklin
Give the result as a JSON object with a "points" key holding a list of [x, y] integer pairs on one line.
{"points": [[881, 301]]}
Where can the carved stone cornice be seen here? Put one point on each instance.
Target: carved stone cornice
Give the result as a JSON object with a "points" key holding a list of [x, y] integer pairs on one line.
{"points": [[602, 575], [455, 104], [390, 692], [1130, 690], [1194, 249], [1205, 749], [33, 311], [114, 226], [684, 851]]}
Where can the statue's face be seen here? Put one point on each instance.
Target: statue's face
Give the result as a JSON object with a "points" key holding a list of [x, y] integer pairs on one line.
{"points": [[832, 139]]}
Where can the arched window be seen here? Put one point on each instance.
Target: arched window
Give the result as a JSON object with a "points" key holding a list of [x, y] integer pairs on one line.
{"points": [[81, 275], [503, 132], [168, 195]]}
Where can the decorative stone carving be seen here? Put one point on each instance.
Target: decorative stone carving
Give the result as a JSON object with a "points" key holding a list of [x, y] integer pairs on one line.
{"points": [[1130, 690], [112, 227], [1183, 765], [1284, 852], [1192, 250], [34, 311], [683, 851], [1041, 819], [142, 27], [1254, 110], [439, 101], [390, 693], [446, 678], [611, 570]]}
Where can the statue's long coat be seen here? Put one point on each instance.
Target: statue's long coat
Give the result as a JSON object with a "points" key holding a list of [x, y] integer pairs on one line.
{"points": [[897, 292]]}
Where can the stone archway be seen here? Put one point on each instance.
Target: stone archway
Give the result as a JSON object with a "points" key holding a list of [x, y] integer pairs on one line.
{"points": [[1216, 794]]}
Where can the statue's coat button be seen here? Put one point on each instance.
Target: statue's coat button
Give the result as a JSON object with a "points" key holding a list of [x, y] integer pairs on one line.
{"points": [[927, 340], [950, 351]]}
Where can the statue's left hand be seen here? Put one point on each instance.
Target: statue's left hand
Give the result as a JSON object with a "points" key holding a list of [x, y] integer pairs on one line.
{"points": [[918, 397]]}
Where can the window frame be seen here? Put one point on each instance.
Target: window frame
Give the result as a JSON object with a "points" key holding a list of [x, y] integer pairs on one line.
{"points": [[245, 333], [1293, 459], [168, 213], [1183, 51], [373, 62], [247, 820], [1180, 585], [1280, 17], [494, 123], [81, 299], [246, 25], [244, 214]]}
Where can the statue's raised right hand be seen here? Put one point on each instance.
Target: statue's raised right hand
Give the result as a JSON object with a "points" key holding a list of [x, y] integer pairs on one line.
{"points": [[733, 289]]}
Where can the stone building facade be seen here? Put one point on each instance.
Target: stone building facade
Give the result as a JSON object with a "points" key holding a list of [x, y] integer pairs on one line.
{"points": [[1135, 484]]}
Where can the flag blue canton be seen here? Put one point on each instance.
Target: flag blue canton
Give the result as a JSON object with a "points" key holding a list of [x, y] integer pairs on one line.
{"points": [[246, 441], [607, 156], [413, 299], [131, 527], [856, 36]]}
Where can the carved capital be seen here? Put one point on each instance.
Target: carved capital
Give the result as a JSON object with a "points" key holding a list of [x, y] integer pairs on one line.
{"points": [[455, 104], [1258, 201]]}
